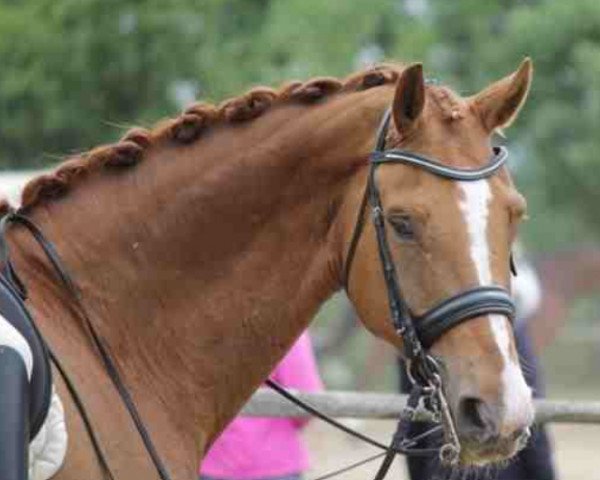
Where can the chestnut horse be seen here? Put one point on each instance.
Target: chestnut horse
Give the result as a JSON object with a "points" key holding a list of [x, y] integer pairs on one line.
{"points": [[204, 246]]}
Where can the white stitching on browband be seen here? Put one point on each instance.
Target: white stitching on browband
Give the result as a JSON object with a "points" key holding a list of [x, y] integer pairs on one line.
{"points": [[442, 170]]}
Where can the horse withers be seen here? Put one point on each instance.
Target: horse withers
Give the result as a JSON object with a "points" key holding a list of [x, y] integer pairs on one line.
{"points": [[203, 247]]}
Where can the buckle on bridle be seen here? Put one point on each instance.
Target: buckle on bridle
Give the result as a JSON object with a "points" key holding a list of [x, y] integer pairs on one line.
{"points": [[424, 371], [377, 213], [449, 454], [425, 374]]}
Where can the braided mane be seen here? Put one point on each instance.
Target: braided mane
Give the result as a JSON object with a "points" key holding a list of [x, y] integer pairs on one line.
{"points": [[190, 126]]}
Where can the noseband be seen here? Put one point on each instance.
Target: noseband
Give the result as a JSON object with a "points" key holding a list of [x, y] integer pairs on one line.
{"points": [[419, 333]]}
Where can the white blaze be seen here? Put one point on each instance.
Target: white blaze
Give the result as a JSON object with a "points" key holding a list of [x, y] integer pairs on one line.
{"points": [[474, 205]]}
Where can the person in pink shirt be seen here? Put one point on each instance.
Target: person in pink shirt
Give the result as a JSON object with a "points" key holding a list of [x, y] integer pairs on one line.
{"points": [[261, 448]]}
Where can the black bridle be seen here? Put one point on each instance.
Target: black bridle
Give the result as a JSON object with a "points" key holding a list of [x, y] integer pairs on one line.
{"points": [[420, 332]]}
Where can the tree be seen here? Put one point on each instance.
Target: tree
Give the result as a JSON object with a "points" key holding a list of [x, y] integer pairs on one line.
{"points": [[73, 67]]}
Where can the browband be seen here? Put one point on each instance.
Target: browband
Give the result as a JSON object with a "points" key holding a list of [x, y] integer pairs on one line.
{"points": [[380, 155], [401, 156]]}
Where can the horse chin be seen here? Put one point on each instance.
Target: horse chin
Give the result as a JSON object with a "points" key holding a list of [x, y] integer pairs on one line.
{"points": [[484, 454]]}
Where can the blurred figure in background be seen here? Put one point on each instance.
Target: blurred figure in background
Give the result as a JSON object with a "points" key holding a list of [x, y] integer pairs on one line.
{"points": [[255, 448], [535, 461]]}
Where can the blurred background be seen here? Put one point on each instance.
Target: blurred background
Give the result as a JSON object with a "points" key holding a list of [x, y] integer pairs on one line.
{"points": [[77, 73]]}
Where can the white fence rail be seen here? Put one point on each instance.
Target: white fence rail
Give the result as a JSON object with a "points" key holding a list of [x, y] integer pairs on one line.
{"points": [[266, 403]]}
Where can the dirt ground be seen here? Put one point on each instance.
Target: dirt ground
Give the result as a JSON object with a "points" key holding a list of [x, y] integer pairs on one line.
{"points": [[576, 447]]}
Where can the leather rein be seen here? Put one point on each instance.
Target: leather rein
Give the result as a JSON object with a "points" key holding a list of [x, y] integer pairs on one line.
{"points": [[107, 360]]}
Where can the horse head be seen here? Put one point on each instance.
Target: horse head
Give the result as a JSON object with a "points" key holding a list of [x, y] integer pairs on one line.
{"points": [[447, 236]]}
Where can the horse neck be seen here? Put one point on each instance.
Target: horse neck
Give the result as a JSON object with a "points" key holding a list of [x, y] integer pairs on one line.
{"points": [[205, 256]]}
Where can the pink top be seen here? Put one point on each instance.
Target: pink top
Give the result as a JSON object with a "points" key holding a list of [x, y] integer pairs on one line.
{"points": [[258, 447]]}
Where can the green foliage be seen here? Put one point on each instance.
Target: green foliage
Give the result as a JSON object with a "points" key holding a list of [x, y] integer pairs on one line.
{"points": [[559, 127], [71, 67], [291, 39], [75, 71], [562, 124]]}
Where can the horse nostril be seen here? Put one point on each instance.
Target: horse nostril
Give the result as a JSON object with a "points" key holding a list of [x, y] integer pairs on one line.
{"points": [[470, 410], [476, 419]]}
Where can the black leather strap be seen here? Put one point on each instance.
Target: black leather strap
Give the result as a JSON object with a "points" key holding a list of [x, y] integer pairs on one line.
{"points": [[500, 154], [107, 360], [406, 447], [19, 296], [460, 308], [401, 434], [100, 455], [356, 235]]}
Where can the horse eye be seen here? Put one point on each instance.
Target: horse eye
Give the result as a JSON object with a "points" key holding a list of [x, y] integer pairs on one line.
{"points": [[403, 226]]}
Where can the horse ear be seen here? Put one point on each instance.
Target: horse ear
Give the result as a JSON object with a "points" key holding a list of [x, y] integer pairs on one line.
{"points": [[409, 99], [500, 103]]}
